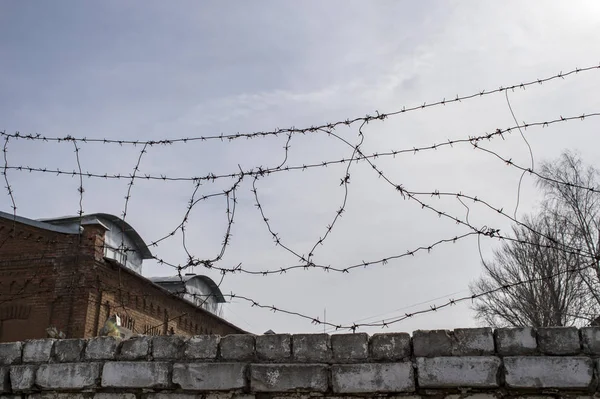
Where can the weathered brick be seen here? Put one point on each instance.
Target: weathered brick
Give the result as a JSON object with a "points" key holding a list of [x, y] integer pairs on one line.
{"points": [[137, 348], [68, 350], [167, 347], [373, 377], [4, 379], [311, 347], [237, 347], [58, 395], [135, 375], [120, 395], [350, 347], [548, 372], [274, 347], [10, 353], [209, 376], [515, 341], [392, 346], [590, 340], [473, 342], [428, 343], [37, 350], [454, 372], [67, 375], [558, 340], [173, 395], [102, 348], [22, 378], [202, 347], [288, 378]]}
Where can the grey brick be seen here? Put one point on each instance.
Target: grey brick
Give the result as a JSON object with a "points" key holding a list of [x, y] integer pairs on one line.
{"points": [[37, 350], [274, 347], [10, 353], [102, 348], [67, 375], [174, 395], [429, 343], [311, 347], [202, 347], [515, 341], [548, 372], [350, 347], [58, 395], [137, 348], [455, 372], [237, 347], [108, 395], [392, 346], [373, 377], [167, 347], [558, 340], [68, 350], [135, 375], [4, 379], [473, 342], [590, 340], [22, 378], [288, 378], [209, 376]]}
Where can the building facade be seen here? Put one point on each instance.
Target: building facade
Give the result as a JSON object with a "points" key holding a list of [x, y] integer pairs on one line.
{"points": [[72, 273]]}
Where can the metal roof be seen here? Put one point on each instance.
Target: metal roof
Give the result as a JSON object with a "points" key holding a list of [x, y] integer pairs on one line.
{"points": [[128, 229], [176, 283], [39, 224]]}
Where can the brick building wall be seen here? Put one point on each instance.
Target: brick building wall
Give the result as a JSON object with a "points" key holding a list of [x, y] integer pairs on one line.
{"points": [[56, 279]]}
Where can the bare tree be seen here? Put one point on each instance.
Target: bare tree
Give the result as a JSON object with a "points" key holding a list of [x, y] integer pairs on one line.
{"points": [[552, 250]]}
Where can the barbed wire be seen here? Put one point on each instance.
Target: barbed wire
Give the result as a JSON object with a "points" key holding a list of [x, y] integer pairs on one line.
{"points": [[307, 260], [312, 129], [262, 171]]}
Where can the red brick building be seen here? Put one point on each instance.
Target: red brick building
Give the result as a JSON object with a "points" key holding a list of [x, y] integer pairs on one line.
{"points": [[71, 274]]}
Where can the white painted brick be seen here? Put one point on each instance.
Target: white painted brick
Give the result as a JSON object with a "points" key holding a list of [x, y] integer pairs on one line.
{"points": [[454, 372], [373, 377], [209, 376], [67, 375], [548, 372], [288, 378], [135, 375]]}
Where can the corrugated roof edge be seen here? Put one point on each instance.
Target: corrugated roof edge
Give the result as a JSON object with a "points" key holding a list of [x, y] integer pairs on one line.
{"points": [[177, 280], [137, 239], [39, 224]]}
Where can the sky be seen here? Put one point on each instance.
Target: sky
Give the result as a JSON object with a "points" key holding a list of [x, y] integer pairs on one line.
{"points": [[151, 70]]}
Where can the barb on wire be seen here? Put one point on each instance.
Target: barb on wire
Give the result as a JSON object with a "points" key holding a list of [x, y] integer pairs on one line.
{"points": [[312, 129]]}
